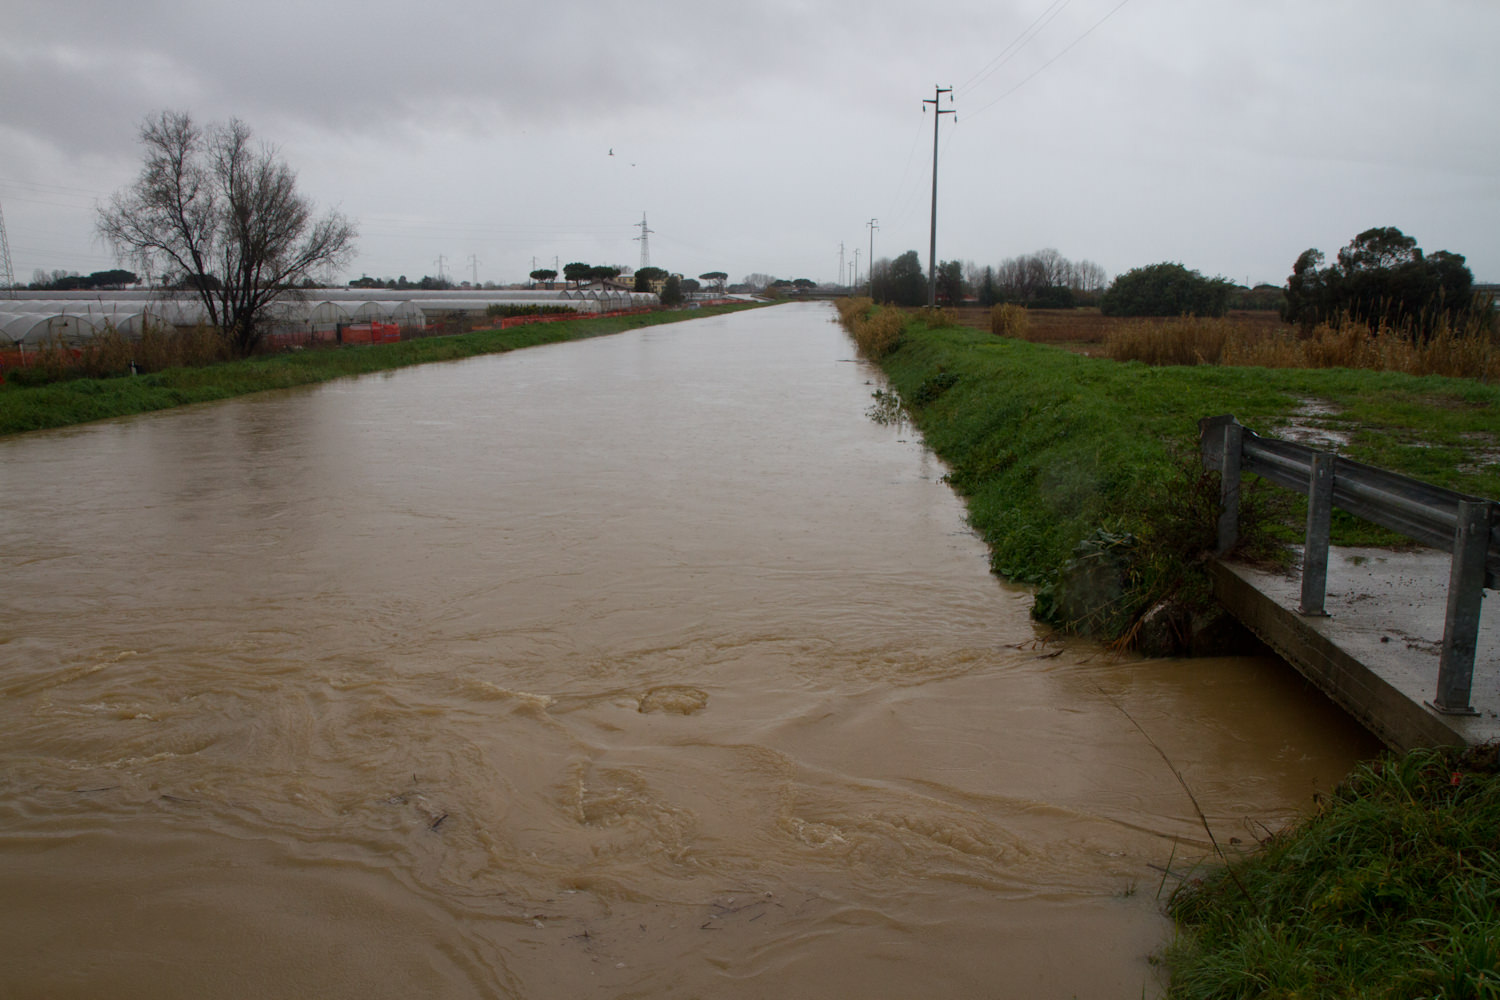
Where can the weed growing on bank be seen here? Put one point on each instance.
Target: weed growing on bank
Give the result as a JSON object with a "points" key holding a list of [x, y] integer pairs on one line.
{"points": [[876, 330], [1391, 890]]}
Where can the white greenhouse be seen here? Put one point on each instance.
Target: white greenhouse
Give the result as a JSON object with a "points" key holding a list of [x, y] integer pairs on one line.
{"points": [[28, 319]]}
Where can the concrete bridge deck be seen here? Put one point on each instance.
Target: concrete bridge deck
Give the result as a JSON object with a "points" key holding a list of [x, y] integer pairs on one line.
{"points": [[1376, 653]]}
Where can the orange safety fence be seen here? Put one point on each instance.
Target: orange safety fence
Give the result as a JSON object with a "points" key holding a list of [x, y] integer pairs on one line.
{"points": [[25, 359], [354, 333], [510, 321], [371, 333]]}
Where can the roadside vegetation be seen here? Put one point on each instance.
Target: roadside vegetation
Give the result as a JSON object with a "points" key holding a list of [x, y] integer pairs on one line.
{"points": [[28, 408]]}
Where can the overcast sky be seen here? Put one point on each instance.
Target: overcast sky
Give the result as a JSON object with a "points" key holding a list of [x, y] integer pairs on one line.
{"points": [[1228, 135]]}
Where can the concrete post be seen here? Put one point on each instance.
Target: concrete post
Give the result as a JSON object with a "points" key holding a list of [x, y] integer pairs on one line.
{"points": [[1465, 595], [1315, 544], [1229, 486]]}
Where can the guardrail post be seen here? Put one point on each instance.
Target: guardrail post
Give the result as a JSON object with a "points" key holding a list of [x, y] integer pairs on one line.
{"points": [[1315, 544], [1465, 595], [1229, 486]]}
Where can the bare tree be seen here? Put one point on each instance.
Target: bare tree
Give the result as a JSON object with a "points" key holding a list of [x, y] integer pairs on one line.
{"points": [[227, 218], [1091, 277], [1048, 276], [973, 274]]}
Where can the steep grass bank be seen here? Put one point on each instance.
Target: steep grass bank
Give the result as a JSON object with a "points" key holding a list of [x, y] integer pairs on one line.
{"points": [[1052, 449], [1391, 890], [64, 403]]}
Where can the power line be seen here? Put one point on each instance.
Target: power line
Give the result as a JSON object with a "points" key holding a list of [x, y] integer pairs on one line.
{"points": [[1065, 50], [1008, 53], [900, 201]]}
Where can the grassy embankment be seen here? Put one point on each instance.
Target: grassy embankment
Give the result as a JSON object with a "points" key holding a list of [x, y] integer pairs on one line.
{"points": [[73, 402], [1052, 449], [1392, 888]]}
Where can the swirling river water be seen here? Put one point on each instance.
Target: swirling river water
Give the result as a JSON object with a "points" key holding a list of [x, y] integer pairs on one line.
{"points": [[644, 666]]}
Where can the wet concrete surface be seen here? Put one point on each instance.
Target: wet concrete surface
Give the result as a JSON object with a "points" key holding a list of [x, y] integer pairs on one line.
{"points": [[1376, 653]]}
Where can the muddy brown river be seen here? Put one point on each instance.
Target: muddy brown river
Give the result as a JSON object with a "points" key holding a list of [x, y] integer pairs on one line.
{"points": [[646, 666]]}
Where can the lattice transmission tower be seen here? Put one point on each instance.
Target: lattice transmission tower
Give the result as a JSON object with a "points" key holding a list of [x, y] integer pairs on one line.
{"points": [[7, 273], [644, 242]]}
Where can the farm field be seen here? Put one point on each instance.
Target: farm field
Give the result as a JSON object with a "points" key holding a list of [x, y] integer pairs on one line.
{"points": [[1086, 331]]}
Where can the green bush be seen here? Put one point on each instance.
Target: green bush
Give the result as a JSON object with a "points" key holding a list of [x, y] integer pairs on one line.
{"points": [[1165, 290]]}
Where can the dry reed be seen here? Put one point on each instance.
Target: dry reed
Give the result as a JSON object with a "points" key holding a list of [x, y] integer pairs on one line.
{"points": [[1468, 351], [111, 352], [937, 317], [1009, 320], [876, 330]]}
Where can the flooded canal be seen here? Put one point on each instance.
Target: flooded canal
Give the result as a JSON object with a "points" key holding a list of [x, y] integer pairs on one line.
{"points": [[647, 666]]}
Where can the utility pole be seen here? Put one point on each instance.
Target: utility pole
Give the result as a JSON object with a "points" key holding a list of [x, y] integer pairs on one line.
{"points": [[855, 283], [870, 267], [841, 262], [937, 116], [474, 263], [439, 263]]}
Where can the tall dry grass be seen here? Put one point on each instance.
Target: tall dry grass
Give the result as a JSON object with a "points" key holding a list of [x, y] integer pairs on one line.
{"points": [[1189, 340], [189, 347], [876, 330], [111, 352], [1471, 350], [937, 317], [1009, 320]]}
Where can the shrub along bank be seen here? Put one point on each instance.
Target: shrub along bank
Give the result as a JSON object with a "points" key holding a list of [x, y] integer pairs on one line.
{"points": [[1066, 459], [1392, 888], [29, 408]]}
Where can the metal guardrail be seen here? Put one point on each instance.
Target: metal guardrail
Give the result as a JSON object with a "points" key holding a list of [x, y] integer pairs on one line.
{"points": [[1465, 526]]}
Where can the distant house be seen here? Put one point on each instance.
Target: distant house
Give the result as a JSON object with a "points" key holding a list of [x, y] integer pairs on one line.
{"points": [[622, 284]]}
